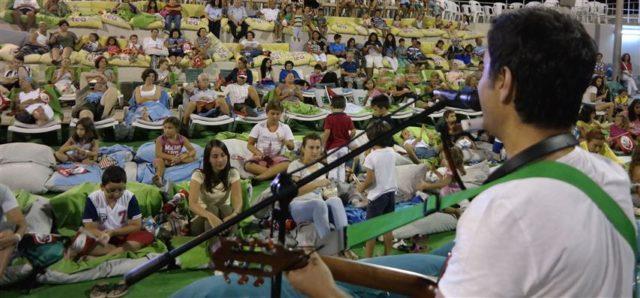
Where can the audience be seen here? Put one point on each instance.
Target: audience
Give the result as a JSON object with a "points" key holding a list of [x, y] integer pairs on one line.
{"points": [[82, 146], [204, 101], [173, 17], [62, 42], [172, 149], [243, 97]]}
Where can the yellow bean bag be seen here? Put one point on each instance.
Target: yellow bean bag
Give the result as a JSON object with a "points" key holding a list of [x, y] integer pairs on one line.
{"points": [[427, 47], [407, 32], [194, 24], [279, 57], [343, 28], [471, 35], [299, 58], [221, 53], [459, 64], [332, 60], [233, 48], [260, 25], [8, 51], [92, 22], [115, 20], [142, 61], [192, 10], [439, 61], [257, 61], [46, 59], [224, 25], [284, 47], [32, 59], [408, 22], [91, 7], [433, 32]]}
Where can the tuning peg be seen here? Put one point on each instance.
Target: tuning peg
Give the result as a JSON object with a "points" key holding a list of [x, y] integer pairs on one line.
{"points": [[259, 282], [243, 279], [226, 278]]}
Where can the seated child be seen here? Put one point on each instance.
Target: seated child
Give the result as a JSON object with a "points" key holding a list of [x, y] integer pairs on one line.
{"points": [[169, 149], [622, 99], [112, 220], [113, 48], [93, 47], [416, 147], [337, 48], [620, 132], [133, 48], [267, 139], [380, 181], [595, 143], [338, 131], [82, 146], [316, 76], [350, 71]]}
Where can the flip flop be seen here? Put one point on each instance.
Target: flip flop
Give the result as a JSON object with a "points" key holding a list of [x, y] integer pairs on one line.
{"points": [[118, 290]]}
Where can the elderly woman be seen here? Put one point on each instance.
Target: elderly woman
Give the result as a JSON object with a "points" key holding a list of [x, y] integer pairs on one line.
{"points": [[289, 91], [150, 100], [62, 42], [33, 107], [204, 101]]}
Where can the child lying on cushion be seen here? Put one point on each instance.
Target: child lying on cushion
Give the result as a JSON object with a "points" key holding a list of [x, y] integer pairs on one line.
{"points": [[112, 220], [416, 147]]}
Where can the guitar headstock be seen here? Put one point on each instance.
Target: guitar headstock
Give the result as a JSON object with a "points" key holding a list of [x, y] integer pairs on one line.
{"points": [[254, 257]]}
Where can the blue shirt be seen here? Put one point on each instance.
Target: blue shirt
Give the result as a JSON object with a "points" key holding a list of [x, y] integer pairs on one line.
{"points": [[350, 67], [284, 73], [337, 48]]}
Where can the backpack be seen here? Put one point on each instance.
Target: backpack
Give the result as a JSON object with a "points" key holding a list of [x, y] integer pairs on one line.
{"points": [[42, 250]]}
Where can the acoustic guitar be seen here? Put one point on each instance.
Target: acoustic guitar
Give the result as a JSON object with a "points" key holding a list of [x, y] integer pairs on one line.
{"points": [[266, 259]]}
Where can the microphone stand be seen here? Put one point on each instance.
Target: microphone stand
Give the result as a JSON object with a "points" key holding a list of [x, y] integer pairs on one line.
{"points": [[284, 191]]}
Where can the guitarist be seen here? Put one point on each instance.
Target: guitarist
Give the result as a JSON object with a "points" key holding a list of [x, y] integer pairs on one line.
{"points": [[533, 236]]}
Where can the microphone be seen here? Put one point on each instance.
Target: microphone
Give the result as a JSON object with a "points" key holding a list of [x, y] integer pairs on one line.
{"points": [[459, 100]]}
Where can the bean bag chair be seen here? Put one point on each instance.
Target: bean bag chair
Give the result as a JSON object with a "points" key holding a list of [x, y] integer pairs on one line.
{"points": [[407, 32], [438, 61], [299, 58], [342, 28], [147, 21], [192, 10], [115, 20], [91, 22], [145, 156], [260, 24], [193, 23], [433, 32], [26, 166], [8, 51], [272, 47], [32, 59], [221, 53]]}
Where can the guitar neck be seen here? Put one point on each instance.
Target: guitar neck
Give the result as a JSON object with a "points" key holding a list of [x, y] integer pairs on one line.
{"points": [[381, 278]]}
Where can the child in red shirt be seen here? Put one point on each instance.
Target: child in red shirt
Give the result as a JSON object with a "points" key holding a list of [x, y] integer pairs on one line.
{"points": [[338, 131]]}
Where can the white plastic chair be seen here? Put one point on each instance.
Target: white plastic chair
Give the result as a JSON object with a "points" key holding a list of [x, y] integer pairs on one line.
{"points": [[477, 11], [533, 4], [452, 11], [195, 119], [30, 129], [516, 5], [551, 3], [498, 8]]}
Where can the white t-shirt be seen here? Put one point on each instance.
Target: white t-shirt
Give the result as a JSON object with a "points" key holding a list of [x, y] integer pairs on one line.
{"points": [[586, 97], [383, 162], [213, 12], [208, 95], [270, 14], [8, 202], [420, 144], [543, 238], [154, 47], [250, 44], [31, 3], [297, 164], [97, 210], [269, 142], [237, 93]]}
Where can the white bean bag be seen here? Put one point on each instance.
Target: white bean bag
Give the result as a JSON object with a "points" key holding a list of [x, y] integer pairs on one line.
{"points": [[27, 152], [434, 223], [239, 153], [27, 176]]}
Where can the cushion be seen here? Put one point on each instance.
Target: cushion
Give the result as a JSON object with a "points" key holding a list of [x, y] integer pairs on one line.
{"points": [[92, 7], [59, 183], [408, 32], [260, 24], [221, 53], [284, 47], [332, 60], [343, 28], [409, 22], [439, 61], [147, 152], [299, 58], [68, 207], [193, 24], [115, 20], [92, 22], [434, 223], [27, 152], [239, 153], [279, 57], [432, 32], [192, 10], [27, 176], [147, 21], [408, 177], [415, 131], [32, 58], [45, 59], [7, 51]]}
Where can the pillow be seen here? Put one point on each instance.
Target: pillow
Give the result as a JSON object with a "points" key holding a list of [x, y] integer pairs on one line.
{"points": [[59, 183], [8, 51], [147, 152], [239, 153], [115, 20], [409, 22], [260, 24], [410, 32], [283, 47], [343, 28], [192, 10], [221, 53], [434, 223], [147, 21], [27, 152], [46, 59], [194, 24], [68, 207], [439, 61], [360, 30], [28, 176], [279, 57], [408, 177], [299, 58], [32, 58], [432, 32], [332, 60], [92, 22]]}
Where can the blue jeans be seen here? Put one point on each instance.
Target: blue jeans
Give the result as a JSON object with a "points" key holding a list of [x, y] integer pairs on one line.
{"points": [[424, 153], [215, 286], [175, 19], [317, 211]]}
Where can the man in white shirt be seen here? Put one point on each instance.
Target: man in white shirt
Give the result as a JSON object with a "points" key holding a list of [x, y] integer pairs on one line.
{"points": [[204, 101], [243, 97], [25, 7], [237, 15], [531, 237], [271, 12]]}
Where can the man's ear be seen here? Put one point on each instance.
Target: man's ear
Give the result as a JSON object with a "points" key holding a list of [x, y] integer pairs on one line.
{"points": [[504, 83]]}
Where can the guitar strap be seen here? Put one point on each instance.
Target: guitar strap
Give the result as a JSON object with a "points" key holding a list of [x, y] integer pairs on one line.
{"points": [[519, 167]]}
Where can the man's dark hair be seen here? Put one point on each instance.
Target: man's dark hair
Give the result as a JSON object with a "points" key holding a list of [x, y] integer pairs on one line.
{"points": [[114, 174], [376, 129], [336, 36], [380, 101], [551, 57]]}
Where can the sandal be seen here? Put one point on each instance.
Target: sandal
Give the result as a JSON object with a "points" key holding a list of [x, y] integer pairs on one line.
{"points": [[100, 290], [157, 181], [118, 290]]}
